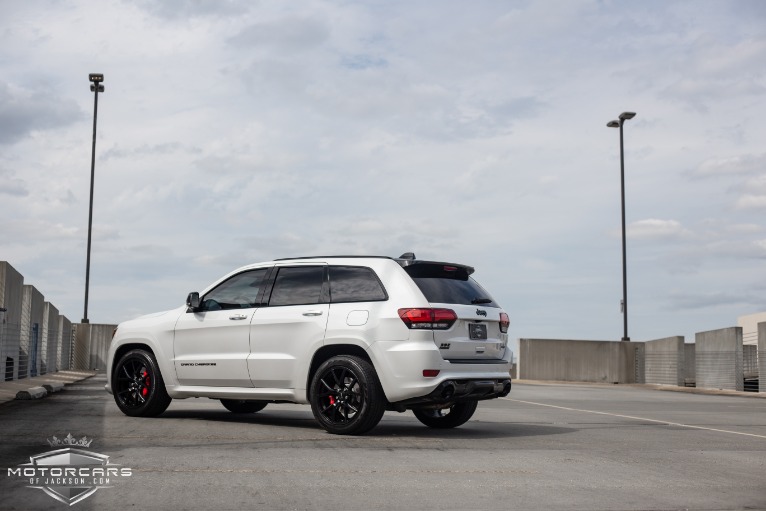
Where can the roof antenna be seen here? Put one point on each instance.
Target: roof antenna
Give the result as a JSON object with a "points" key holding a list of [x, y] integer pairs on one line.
{"points": [[408, 255]]}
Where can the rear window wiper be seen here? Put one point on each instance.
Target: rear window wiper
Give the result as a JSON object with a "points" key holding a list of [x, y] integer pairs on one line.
{"points": [[477, 301]]}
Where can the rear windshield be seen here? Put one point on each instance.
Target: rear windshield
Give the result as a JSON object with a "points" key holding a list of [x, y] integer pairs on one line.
{"points": [[449, 284]]}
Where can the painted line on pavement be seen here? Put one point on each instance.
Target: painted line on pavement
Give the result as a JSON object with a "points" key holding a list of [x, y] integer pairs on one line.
{"points": [[666, 423]]}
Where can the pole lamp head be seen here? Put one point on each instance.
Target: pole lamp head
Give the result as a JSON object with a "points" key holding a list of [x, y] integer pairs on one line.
{"points": [[96, 78], [627, 115], [613, 124]]}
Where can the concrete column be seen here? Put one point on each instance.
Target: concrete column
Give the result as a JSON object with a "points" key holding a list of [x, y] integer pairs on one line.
{"points": [[81, 355], [31, 330], [11, 293], [719, 359], [664, 361], [49, 336], [690, 364], [762, 356], [64, 352]]}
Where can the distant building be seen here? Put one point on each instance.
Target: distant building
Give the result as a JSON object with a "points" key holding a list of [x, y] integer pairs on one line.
{"points": [[749, 326]]}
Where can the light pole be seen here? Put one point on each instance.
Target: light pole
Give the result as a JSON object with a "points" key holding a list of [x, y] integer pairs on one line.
{"points": [[96, 86], [618, 124]]}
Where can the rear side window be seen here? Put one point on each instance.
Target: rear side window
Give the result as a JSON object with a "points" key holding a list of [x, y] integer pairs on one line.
{"points": [[298, 286], [449, 284], [355, 284]]}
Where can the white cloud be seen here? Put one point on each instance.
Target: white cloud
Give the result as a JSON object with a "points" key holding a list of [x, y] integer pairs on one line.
{"points": [[751, 201], [732, 166], [653, 228]]}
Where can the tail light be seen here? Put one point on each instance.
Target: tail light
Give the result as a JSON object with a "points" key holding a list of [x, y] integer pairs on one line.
{"points": [[428, 319], [504, 322]]}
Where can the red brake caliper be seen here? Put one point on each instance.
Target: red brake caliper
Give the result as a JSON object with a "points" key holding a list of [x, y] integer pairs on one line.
{"points": [[145, 390], [332, 400]]}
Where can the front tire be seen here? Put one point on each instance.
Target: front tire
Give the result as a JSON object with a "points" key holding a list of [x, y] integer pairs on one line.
{"points": [[241, 406], [346, 396], [139, 390], [452, 417]]}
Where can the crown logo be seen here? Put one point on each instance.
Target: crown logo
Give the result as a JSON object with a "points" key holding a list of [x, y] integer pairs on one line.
{"points": [[70, 441]]}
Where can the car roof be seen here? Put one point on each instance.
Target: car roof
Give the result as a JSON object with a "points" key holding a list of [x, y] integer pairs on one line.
{"points": [[404, 260]]}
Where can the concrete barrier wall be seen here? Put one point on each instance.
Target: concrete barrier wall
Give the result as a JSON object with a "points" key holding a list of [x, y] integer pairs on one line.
{"points": [[719, 359], [690, 364], [749, 360], [586, 361], [31, 331], [35, 338], [91, 345], [11, 293], [49, 338], [64, 353], [664, 361], [762, 356]]}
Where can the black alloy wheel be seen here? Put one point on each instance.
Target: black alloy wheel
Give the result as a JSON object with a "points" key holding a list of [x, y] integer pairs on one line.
{"points": [[139, 390], [445, 418], [346, 396], [243, 406]]}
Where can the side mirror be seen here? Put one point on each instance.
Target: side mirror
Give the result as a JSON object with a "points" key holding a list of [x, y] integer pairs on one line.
{"points": [[192, 301]]}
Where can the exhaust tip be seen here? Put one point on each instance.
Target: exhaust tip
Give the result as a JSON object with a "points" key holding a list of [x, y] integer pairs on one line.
{"points": [[506, 389], [448, 392]]}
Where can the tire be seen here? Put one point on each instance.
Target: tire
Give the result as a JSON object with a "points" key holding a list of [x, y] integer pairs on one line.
{"points": [[139, 389], [452, 417], [241, 406], [346, 396]]}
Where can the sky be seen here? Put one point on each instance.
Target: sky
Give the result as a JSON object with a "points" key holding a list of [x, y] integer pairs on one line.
{"points": [[232, 132]]}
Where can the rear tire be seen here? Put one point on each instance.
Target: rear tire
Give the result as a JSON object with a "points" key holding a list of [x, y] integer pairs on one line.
{"points": [[242, 406], [139, 390], [346, 396], [452, 417]]}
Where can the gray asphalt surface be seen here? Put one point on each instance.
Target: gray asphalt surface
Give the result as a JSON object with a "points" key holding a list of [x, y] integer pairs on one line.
{"points": [[544, 447]]}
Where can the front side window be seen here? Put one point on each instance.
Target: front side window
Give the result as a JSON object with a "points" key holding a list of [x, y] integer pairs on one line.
{"points": [[298, 286], [355, 284], [239, 292]]}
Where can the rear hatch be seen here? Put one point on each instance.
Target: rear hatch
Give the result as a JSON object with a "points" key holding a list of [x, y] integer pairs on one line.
{"points": [[478, 330]]}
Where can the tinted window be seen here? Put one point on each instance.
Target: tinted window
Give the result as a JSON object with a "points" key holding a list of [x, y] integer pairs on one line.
{"points": [[239, 292], [298, 286], [354, 284], [448, 284]]}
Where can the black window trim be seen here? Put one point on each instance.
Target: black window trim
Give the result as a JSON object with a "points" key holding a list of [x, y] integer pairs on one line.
{"points": [[385, 293]]}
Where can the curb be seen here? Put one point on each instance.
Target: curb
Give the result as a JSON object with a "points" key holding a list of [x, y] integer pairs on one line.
{"points": [[53, 387], [32, 393]]}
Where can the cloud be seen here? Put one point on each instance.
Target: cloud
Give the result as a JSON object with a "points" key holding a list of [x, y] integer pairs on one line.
{"points": [[24, 111], [184, 9], [653, 229], [707, 300], [740, 165], [14, 187], [751, 201], [288, 34]]}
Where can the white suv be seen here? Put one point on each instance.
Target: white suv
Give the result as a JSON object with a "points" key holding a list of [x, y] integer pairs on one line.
{"points": [[352, 336]]}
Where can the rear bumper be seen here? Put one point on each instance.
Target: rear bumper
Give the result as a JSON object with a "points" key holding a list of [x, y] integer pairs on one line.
{"points": [[454, 391], [400, 366]]}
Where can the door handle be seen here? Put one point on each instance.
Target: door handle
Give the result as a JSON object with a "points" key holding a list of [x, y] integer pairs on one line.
{"points": [[238, 316], [312, 313]]}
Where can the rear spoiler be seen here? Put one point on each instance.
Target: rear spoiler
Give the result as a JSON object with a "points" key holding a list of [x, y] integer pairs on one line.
{"points": [[457, 267]]}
